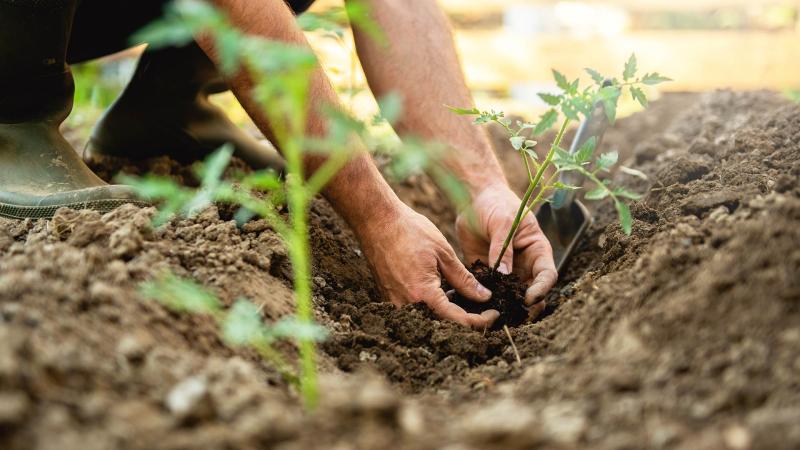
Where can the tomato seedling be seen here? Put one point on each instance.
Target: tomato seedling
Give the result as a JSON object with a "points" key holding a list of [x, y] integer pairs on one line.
{"points": [[573, 103]]}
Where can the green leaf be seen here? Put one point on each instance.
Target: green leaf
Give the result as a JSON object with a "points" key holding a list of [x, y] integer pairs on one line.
{"points": [[568, 187], [517, 141], [634, 172], [561, 80], [597, 194], [550, 99], [530, 152], [564, 160], [546, 121], [606, 160], [530, 143], [242, 325], [584, 153], [291, 327], [630, 68], [625, 219], [463, 111], [265, 180], [639, 96], [609, 95], [654, 78], [180, 294], [391, 106], [596, 76], [622, 192], [214, 165], [573, 87]]}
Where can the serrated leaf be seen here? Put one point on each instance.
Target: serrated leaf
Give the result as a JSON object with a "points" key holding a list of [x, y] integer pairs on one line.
{"points": [[546, 121], [625, 219], [639, 96], [622, 192], [517, 141], [584, 153], [596, 76], [550, 99], [606, 160], [654, 78], [597, 194], [573, 87], [634, 172], [568, 187], [561, 80], [242, 325], [463, 111], [609, 95], [630, 68], [570, 111]]}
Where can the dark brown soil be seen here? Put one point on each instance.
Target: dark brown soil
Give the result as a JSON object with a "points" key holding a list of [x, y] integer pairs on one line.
{"points": [[508, 296], [683, 335]]}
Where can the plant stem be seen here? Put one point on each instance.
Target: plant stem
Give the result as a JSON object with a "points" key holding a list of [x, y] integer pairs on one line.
{"points": [[524, 203]]}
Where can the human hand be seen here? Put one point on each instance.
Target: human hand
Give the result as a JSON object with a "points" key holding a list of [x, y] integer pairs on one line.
{"points": [[530, 255], [407, 254]]}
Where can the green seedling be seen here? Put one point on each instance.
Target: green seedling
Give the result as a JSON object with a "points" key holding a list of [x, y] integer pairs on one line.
{"points": [[573, 103], [281, 75], [241, 324]]}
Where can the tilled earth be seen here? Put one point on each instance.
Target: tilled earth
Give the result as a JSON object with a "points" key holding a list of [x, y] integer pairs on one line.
{"points": [[683, 335]]}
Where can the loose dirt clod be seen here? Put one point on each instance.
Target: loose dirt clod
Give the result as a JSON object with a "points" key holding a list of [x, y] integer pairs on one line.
{"points": [[508, 296]]}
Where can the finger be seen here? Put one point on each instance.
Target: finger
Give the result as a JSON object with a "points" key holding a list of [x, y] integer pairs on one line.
{"points": [[495, 247], [536, 310], [544, 278], [438, 303], [460, 278]]}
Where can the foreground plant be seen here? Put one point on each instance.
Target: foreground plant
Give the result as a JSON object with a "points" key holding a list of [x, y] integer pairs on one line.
{"points": [[574, 103], [280, 75], [241, 324]]}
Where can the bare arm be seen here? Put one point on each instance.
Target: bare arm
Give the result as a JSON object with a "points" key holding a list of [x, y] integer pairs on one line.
{"points": [[420, 63], [359, 182], [406, 252]]}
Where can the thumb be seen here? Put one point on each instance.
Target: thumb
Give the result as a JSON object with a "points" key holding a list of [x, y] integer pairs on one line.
{"points": [[496, 246], [460, 278]]}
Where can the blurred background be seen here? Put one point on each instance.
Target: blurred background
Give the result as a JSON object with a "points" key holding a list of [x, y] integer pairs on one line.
{"points": [[509, 46]]}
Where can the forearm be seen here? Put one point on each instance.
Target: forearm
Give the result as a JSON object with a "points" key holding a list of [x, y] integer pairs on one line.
{"points": [[420, 63], [358, 183]]}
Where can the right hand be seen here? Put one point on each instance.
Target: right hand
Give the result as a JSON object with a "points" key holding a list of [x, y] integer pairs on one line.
{"points": [[408, 253]]}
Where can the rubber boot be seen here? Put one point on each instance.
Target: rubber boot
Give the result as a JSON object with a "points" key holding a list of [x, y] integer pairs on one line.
{"points": [[39, 171], [165, 110]]}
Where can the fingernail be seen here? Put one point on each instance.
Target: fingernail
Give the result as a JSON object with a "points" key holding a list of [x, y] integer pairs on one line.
{"points": [[484, 292], [503, 268]]}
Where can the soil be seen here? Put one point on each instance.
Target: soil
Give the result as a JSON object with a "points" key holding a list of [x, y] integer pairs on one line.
{"points": [[683, 335], [508, 296]]}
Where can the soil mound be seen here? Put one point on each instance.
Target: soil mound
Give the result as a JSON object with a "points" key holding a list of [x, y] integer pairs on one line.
{"points": [[683, 335]]}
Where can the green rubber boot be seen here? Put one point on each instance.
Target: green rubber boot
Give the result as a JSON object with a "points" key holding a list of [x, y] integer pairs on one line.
{"points": [[39, 171], [165, 110]]}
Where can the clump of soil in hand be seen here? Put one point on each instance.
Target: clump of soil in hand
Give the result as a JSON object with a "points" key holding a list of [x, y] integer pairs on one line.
{"points": [[508, 296]]}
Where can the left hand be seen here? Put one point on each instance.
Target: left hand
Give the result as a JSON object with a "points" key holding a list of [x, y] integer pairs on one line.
{"points": [[530, 255]]}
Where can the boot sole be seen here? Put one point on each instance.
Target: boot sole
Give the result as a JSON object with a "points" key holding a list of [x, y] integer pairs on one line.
{"points": [[12, 211]]}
